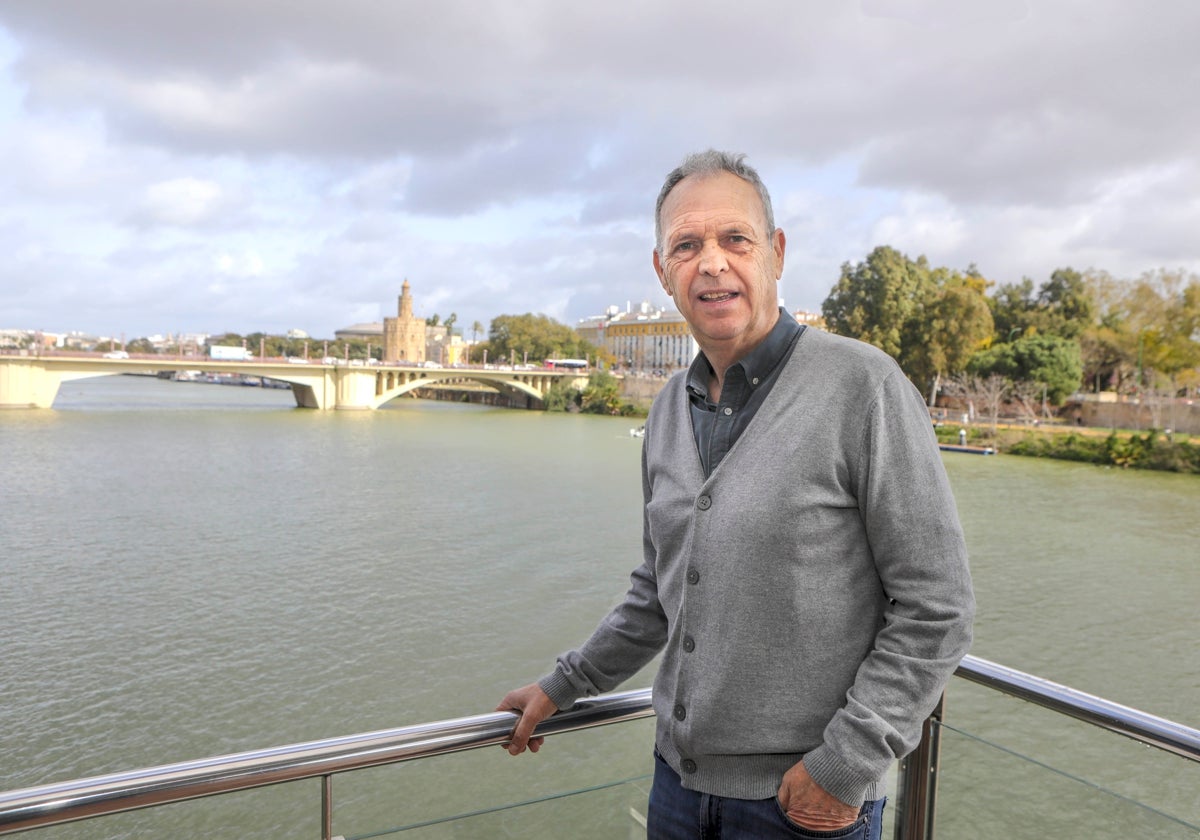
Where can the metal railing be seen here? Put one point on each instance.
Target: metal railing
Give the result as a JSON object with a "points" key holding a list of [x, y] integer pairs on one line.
{"points": [[118, 792], [38, 807], [917, 789]]}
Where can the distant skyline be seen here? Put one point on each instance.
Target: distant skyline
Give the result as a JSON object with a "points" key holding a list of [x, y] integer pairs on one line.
{"points": [[220, 166]]}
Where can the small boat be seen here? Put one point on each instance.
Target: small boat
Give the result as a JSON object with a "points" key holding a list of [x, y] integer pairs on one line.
{"points": [[640, 431], [970, 450]]}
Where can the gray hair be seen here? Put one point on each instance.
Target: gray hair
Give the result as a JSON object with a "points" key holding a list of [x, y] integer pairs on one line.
{"points": [[707, 163]]}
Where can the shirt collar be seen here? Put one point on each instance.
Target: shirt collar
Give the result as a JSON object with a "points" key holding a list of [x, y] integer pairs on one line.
{"points": [[757, 364]]}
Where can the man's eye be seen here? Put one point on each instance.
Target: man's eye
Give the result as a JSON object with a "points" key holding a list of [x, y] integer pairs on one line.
{"points": [[684, 246]]}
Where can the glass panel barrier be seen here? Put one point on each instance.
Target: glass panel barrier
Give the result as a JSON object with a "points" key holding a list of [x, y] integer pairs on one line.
{"points": [[291, 810], [614, 810], [579, 774], [1012, 771]]}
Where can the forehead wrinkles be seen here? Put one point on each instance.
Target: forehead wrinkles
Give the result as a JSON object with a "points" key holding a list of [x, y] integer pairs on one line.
{"points": [[720, 200]]}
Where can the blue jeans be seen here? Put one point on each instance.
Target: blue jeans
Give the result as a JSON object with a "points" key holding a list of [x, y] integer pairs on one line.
{"points": [[677, 813]]}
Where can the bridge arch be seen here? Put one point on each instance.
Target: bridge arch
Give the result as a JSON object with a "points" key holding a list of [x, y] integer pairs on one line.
{"points": [[393, 383]]}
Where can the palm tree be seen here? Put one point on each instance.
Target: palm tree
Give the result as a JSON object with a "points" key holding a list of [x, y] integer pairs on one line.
{"points": [[476, 329]]}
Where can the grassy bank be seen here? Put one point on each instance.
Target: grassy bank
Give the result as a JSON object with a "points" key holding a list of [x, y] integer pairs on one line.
{"points": [[1150, 450]]}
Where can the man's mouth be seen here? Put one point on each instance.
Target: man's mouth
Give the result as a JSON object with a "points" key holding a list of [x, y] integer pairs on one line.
{"points": [[717, 297]]}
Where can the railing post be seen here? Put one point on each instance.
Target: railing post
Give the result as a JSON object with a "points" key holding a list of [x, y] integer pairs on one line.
{"points": [[917, 784], [327, 807]]}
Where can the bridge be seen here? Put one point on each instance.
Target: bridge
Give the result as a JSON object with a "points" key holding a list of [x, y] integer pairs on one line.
{"points": [[32, 381]]}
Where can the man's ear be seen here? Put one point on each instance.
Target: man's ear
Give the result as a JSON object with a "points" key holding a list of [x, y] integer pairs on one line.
{"points": [[662, 276]]}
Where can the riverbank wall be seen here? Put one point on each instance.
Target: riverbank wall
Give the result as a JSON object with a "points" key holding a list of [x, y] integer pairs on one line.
{"points": [[640, 391], [1180, 415]]}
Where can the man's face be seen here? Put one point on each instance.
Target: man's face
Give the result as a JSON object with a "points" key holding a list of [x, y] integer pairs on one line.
{"points": [[720, 263]]}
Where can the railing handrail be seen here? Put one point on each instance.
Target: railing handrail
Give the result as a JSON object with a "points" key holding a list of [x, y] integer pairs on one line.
{"points": [[1141, 726], [117, 792], [46, 805]]}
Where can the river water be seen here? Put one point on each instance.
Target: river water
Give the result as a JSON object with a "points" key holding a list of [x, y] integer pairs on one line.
{"points": [[190, 570]]}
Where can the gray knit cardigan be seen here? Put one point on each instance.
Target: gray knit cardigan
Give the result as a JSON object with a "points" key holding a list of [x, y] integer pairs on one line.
{"points": [[810, 598]]}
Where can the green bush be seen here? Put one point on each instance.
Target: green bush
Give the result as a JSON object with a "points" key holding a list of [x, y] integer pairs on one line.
{"points": [[562, 397], [1151, 451]]}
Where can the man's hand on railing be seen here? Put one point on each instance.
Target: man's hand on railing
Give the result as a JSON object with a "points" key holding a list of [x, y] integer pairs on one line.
{"points": [[533, 706]]}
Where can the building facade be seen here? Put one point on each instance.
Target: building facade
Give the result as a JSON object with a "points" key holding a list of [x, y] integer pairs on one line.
{"points": [[643, 340], [646, 340]]}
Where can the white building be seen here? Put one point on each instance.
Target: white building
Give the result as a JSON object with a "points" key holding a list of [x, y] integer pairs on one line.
{"points": [[645, 340]]}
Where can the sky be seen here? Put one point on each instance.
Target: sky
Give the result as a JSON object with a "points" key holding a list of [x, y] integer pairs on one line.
{"points": [[223, 165]]}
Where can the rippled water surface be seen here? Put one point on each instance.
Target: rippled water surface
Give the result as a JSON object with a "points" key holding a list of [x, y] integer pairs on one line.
{"points": [[188, 570]]}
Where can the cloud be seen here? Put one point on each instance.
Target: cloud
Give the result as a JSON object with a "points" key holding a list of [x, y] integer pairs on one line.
{"points": [[181, 201], [505, 157]]}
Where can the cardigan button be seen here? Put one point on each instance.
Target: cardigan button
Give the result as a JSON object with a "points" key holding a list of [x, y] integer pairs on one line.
{"points": [[704, 502], [689, 644], [680, 712], [693, 576], [687, 766]]}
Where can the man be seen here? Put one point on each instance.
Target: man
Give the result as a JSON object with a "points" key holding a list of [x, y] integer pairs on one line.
{"points": [[804, 577]]}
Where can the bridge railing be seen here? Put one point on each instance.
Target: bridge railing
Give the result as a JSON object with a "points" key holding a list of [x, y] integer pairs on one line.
{"points": [[52, 804]]}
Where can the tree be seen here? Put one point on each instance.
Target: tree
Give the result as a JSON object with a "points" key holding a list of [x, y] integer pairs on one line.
{"points": [[1027, 395], [873, 300], [1109, 346], [602, 395], [1066, 304], [1063, 306], [985, 391], [1051, 361], [562, 396], [1147, 338], [930, 320], [952, 323], [536, 337]]}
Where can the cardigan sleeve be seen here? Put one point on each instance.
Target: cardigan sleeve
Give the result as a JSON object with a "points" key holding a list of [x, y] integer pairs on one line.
{"points": [[916, 541]]}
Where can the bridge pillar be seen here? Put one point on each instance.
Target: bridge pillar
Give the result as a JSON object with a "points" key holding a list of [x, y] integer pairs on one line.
{"points": [[305, 396], [355, 388], [26, 383]]}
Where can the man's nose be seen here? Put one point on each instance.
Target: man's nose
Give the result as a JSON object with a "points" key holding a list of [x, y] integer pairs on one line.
{"points": [[712, 258]]}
